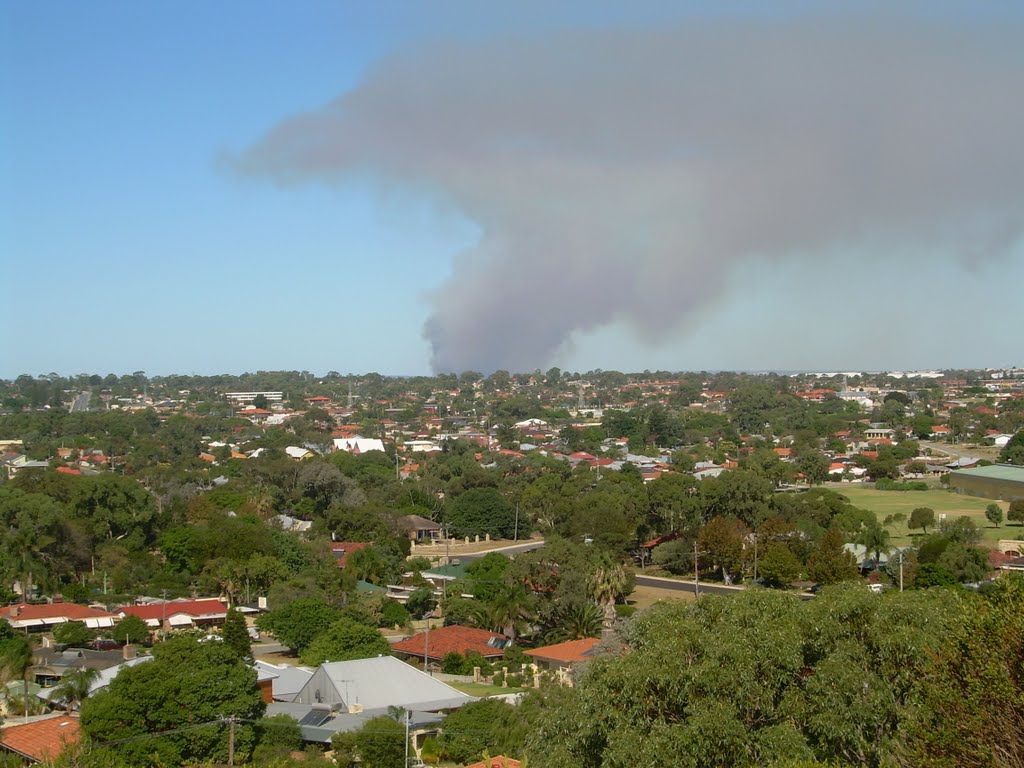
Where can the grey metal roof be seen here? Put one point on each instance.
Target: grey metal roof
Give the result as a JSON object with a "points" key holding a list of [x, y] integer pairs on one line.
{"points": [[287, 680], [384, 681], [342, 722]]}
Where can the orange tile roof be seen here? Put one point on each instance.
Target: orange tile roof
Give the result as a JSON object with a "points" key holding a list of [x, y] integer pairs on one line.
{"points": [[569, 652], [446, 640], [68, 611], [42, 739], [195, 608], [497, 762], [342, 549]]}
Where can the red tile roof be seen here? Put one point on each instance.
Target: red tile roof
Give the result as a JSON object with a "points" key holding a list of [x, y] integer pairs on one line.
{"points": [[569, 652], [342, 549], [42, 739], [211, 607], [497, 762], [451, 639]]}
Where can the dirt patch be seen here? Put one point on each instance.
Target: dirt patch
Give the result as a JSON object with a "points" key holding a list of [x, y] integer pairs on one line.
{"points": [[645, 597]]}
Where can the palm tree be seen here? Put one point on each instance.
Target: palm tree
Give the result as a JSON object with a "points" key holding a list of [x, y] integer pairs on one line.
{"points": [[577, 622], [874, 538], [608, 583], [506, 612], [15, 654], [74, 687]]}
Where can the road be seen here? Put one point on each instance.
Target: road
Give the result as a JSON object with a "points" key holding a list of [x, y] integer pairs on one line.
{"points": [[511, 549], [81, 402], [686, 586]]}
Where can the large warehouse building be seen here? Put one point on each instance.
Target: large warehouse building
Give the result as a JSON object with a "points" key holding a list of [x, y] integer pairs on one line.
{"points": [[999, 481]]}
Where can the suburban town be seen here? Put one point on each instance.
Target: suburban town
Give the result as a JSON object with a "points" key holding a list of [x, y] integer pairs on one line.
{"points": [[441, 570], [511, 385]]}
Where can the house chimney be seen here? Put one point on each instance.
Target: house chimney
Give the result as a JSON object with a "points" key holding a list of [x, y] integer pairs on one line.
{"points": [[15, 611], [128, 652]]}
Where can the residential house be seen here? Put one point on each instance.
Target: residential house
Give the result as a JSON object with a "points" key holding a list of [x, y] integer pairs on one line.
{"points": [[438, 643], [176, 614], [373, 685], [342, 549], [42, 739], [285, 680], [42, 618], [419, 529], [50, 664], [564, 656]]}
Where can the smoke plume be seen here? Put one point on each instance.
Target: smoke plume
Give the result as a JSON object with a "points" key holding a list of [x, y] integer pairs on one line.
{"points": [[624, 175]]}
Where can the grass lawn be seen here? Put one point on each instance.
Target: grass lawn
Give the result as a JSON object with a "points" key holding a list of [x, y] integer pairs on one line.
{"points": [[482, 689], [884, 503]]}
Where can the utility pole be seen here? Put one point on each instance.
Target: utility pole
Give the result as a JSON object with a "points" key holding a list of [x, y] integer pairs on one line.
{"points": [[426, 645], [517, 521], [755, 558], [231, 741], [407, 738], [901, 570], [696, 570]]}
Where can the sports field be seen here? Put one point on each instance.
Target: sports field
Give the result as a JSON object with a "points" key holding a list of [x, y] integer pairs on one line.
{"points": [[953, 505]]}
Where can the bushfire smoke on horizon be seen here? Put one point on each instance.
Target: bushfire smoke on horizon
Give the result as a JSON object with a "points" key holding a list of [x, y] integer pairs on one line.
{"points": [[625, 175]]}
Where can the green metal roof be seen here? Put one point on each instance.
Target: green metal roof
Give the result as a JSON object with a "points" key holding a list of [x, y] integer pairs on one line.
{"points": [[365, 586], [451, 571], [994, 472]]}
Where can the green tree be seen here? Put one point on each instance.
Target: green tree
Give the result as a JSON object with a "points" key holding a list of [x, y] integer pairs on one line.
{"points": [[830, 563], [236, 634], [778, 565], [421, 602], [277, 736], [994, 514], [130, 629], [970, 704], [297, 624], [478, 727], [15, 653], [381, 743], [73, 633], [1013, 451], [345, 640], [1015, 514], [768, 679], [922, 517], [815, 466], [721, 541], [187, 686], [481, 511]]}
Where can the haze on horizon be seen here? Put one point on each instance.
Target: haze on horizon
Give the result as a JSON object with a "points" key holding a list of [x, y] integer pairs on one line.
{"points": [[389, 190]]}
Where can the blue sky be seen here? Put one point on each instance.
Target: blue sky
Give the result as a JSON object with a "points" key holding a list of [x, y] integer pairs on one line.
{"points": [[129, 241]]}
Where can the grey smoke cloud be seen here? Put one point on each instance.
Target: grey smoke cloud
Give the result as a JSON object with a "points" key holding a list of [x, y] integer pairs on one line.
{"points": [[623, 175]]}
